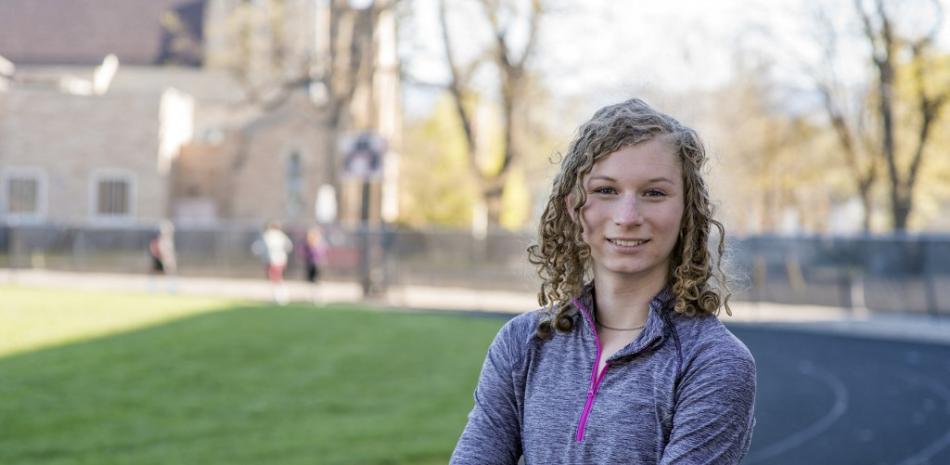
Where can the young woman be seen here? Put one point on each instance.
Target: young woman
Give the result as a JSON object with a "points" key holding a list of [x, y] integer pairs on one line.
{"points": [[626, 363]]}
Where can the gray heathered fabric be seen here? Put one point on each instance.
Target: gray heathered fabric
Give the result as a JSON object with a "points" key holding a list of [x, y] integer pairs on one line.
{"points": [[682, 393]]}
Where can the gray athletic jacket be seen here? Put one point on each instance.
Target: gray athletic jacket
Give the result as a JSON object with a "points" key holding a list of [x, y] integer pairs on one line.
{"points": [[682, 393]]}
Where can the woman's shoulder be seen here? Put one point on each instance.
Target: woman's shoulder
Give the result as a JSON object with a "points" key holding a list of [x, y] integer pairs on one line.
{"points": [[705, 336], [515, 338], [520, 330]]}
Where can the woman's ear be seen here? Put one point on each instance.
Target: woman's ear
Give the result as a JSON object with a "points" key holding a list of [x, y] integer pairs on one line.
{"points": [[569, 206]]}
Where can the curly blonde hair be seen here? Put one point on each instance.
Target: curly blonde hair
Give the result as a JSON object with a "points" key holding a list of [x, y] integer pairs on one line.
{"points": [[563, 259]]}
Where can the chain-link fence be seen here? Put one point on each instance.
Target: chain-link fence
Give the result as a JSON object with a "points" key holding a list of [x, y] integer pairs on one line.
{"points": [[399, 257], [892, 273]]}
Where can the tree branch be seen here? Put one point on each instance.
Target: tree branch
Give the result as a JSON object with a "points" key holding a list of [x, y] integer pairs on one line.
{"points": [[455, 88], [534, 21]]}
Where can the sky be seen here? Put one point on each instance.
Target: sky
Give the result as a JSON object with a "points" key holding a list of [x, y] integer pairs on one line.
{"points": [[617, 47]]}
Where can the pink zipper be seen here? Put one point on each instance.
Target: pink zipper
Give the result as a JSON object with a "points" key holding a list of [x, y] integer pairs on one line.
{"points": [[595, 378]]}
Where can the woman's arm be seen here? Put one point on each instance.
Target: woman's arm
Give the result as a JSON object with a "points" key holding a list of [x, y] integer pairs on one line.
{"points": [[493, 433], [714, 413]]}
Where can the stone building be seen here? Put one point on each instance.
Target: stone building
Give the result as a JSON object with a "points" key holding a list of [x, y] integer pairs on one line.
{"points": [[72, 158], [270, 167], [154, 131]]}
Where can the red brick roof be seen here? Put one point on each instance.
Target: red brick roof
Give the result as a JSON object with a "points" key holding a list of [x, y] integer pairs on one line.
{"points": [[83, 32]]}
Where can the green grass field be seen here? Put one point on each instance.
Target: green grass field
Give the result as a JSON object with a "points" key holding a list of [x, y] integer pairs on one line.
{"points": [[94, 378]]}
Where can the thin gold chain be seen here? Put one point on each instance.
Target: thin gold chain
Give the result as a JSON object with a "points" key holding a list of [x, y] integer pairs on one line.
{"points": [[621, 329], [597, 321]]}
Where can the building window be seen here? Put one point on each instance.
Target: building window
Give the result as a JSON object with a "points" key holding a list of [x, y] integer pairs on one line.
{"points": [[23, 196], [112, 196], [24, 193], [294, 184]]}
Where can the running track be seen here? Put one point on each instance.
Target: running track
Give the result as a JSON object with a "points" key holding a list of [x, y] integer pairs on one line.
{"points": [[827, 399]]}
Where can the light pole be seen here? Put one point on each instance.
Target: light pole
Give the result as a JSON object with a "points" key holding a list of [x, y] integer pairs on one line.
{"points": [[364, 160]]}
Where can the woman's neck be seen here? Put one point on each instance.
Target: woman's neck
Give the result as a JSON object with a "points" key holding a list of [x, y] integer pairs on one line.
{"points": [[623, 303]]}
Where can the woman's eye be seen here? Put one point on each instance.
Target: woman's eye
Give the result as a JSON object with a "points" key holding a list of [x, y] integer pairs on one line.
{"points": [[604, 190], [655, 193]]}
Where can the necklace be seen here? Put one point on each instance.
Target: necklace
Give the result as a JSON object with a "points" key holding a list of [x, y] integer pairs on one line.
{"points": [[598, 322], [621, 329]]}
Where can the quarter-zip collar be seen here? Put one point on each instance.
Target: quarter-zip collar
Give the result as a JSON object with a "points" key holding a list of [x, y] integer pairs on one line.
{"points": [[653, 333]]}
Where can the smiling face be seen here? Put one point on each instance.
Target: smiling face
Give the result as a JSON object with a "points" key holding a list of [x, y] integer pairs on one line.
{"points": [[633, 211]]}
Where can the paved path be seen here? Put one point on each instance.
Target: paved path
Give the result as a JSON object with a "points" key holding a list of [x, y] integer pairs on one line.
{"points": [[910, 327]]}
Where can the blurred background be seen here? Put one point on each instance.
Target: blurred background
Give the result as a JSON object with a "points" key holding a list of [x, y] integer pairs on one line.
{"points": [[422, 136], [825, 124]]}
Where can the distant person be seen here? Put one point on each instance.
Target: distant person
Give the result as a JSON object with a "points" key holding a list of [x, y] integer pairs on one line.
{"points": [[162, 251], [627, 362], [314, 250], [273, 247]]}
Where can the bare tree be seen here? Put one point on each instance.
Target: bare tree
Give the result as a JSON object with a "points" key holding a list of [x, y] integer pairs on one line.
{"points": [[845, 114], [511, 67], [887, 45], [271, 66]]}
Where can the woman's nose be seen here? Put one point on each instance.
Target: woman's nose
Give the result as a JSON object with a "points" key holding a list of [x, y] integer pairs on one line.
{"points": [[628, 212]]}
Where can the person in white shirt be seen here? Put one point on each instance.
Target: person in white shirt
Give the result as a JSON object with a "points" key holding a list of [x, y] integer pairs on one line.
{"points": [[274, 247]]}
